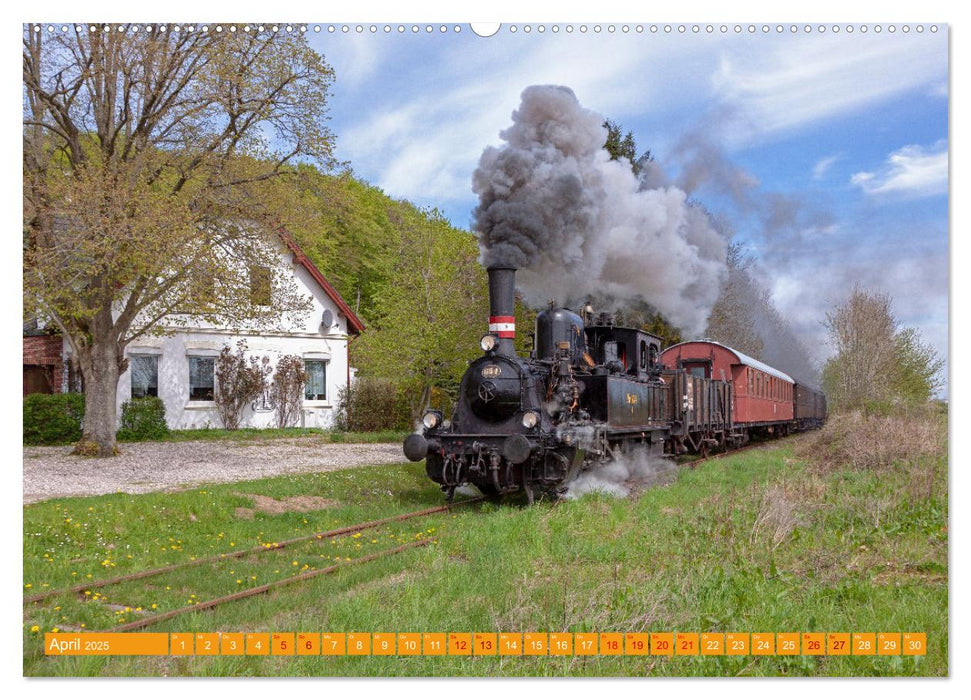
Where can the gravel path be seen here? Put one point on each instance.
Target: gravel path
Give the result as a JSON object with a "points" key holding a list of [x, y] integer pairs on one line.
{"points": [[51, 472]]}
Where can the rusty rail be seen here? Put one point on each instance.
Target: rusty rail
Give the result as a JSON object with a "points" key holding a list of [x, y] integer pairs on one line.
{"points": [[250, 592], [245, 552]]}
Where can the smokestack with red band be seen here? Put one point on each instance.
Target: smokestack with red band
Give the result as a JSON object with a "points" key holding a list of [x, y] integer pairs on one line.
{"points": [[502, 307]]}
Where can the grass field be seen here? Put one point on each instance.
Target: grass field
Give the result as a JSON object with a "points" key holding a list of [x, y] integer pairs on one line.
{"points": [[779, 539]]}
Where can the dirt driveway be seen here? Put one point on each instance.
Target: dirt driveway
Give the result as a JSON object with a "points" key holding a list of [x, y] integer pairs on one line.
{"points": [[51, 472]]}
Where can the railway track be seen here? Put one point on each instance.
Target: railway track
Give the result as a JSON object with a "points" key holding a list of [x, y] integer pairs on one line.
{"points": [[252, 551], [307, 575], [729, 453]]}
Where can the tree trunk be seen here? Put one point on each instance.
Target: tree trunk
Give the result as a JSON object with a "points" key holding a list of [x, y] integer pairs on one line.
{"points": [[100, 368]]}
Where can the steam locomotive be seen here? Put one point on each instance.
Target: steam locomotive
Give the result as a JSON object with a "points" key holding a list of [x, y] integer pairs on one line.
{"points": [[589, 392]]}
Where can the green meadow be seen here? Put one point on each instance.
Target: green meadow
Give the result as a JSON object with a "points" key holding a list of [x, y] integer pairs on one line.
{"points": [[785, 538]]}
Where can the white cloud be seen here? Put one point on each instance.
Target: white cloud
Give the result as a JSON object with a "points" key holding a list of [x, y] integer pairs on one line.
{"points": [[426, 148], [409, 115], [795, 81], [911, 170], [823, 165]]}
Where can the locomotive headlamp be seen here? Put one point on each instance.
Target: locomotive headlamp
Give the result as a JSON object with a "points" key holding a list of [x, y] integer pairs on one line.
{"points": [[488, 342], [530, 419], [431, 420]]}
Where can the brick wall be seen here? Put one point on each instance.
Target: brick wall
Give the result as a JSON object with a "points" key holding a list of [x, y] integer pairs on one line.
{"points": [[45, 351]]}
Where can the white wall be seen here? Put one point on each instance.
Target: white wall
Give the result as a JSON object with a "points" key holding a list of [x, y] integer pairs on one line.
{"points": [[308, 340]]}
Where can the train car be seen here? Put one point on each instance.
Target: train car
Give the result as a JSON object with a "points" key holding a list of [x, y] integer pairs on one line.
{"points": [[589, 392], [809, 407], [763, 396]]}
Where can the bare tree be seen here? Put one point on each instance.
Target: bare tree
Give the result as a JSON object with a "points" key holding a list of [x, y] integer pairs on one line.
{"points": [[151, 169], [239, 380], [862, 332], [287, 390], [734, 316]]}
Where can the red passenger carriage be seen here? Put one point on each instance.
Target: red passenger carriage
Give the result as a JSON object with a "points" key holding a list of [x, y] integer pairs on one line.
{"points": [[763, 396]]}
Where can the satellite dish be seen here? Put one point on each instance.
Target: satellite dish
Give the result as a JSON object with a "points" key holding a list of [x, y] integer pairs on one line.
{"points": [[328, 319]]}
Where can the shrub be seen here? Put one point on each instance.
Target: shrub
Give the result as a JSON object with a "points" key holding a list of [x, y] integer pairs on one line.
{"points": [[238, 381], [371, 404], [143, 419], [287, 390], [876, 442], [53, 419]]}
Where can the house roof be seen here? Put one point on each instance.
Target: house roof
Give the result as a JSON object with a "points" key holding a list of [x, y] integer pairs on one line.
{"points": [[354, 324]]}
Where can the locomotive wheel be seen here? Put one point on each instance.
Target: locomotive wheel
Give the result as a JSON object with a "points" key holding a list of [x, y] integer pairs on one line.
{"points": [[489, 491]]}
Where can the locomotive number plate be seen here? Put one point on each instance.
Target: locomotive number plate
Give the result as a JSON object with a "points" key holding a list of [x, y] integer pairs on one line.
{"points": [[491, 371]]}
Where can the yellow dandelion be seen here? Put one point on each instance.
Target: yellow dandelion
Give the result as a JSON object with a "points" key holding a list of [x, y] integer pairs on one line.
{"points": [[35, 628], [55, 629], [239, 581], [295, 563], [29, 585], [154, 606]]}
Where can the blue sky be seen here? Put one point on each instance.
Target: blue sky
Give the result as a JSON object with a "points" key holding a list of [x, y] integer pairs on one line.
{"points": [[834, 144]]}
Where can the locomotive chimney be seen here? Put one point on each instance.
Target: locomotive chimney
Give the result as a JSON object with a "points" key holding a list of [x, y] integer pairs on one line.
{"points": [[502, 310]]}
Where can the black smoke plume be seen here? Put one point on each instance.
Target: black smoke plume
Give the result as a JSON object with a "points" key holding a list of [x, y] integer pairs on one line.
{"points": [[553, 205]]}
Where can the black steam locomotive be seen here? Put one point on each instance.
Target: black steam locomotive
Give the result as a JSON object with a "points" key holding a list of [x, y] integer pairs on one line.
{"points": [[589, 392], [534, 423]]}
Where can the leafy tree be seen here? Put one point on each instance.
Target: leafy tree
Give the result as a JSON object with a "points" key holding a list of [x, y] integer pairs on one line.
{"points": [[918, 369], [620, 145], [239, 380], [149, 164], [434, 308], [876, 362]]}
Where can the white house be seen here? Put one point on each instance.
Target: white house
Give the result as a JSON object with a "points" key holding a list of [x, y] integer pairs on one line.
{"points": [[179, 367]]}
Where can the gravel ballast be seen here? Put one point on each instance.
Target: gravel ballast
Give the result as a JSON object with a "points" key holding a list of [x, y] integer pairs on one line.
{"points": [[51, 472]]}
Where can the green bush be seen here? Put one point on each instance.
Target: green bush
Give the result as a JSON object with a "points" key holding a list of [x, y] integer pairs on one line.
{"points": [[53, 419], [143, 419], [371, 404]]}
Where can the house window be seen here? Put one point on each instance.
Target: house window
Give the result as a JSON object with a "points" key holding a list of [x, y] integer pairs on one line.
{"points": [[144, 375], [260, 285], [316, 389], [201, 378]]}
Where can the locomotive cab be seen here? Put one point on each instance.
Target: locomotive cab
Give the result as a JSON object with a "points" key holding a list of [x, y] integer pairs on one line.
{"points": [[625, 350]]}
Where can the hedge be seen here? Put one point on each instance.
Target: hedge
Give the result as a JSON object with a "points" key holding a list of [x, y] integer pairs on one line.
{"points": [[143, 419], [53, 419]]}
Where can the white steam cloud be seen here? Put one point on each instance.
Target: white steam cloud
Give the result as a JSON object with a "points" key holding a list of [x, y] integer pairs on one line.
{"points": [[554, 206], [637, 469]]}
